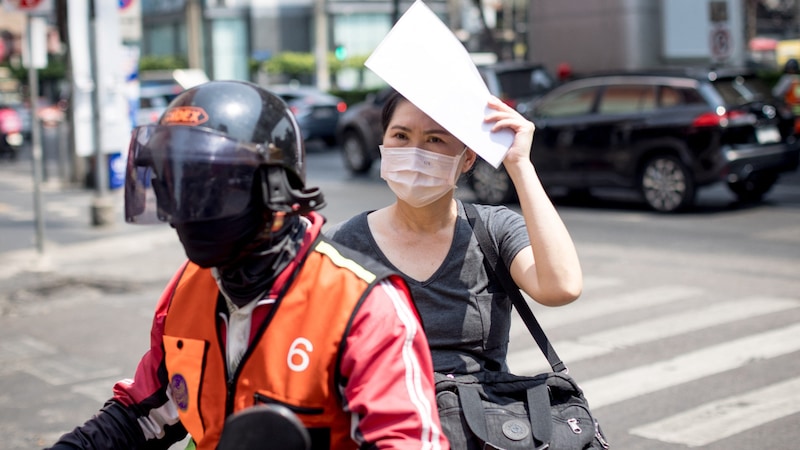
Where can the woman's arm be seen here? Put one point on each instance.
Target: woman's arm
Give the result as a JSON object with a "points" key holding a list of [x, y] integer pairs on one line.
{"points": [[549, 270]]}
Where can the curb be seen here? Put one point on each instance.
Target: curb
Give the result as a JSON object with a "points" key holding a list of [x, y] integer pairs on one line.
{"points": [[99, 255]]}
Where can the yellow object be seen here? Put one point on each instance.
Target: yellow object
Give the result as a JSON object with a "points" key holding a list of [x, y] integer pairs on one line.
{"points": [[785, 50]]}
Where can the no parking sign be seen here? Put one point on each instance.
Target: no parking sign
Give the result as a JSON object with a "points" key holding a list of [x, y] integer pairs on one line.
{"points": [[721, 43], [29, 6]]}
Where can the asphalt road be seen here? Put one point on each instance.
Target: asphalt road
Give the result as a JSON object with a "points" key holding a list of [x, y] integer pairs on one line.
{"points": [[687, 334]]}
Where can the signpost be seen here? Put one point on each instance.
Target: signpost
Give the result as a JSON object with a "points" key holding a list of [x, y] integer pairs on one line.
{"points": [[34, 58], [720, 41]]}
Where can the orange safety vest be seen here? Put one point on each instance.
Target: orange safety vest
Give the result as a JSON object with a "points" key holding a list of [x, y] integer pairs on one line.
{"points": [[293, 361], [792, 98]]}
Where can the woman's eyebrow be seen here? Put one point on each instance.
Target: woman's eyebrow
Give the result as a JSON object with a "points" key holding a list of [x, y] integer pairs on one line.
{"points": [[399, 127], [435, 131]]}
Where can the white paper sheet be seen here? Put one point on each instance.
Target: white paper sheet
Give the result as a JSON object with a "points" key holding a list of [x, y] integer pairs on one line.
{"points": [[423, 60]]}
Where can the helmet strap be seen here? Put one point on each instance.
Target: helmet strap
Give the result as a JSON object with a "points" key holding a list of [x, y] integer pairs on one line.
{"points": [[280, 196]]}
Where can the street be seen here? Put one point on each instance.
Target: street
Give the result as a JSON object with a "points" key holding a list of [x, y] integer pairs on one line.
{"points": [[687, 334]]}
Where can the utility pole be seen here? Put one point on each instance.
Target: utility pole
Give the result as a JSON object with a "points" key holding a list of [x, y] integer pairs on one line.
{"points": [[102, 207], [194, 31], [321, 45]]}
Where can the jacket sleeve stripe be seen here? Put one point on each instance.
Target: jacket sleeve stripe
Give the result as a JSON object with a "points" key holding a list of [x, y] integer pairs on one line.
{"points": [[413, 373]]}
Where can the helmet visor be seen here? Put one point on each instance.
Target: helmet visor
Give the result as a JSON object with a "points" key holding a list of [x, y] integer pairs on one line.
{"points": [[180, 174]]}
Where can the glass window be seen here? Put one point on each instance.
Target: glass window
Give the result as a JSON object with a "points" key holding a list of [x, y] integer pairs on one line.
{"points": [[648, 101], [360, 33], [572, 103], [522, 83], [670, 97], [692, 97], [161, 40], [741, 90], [626, 99], [229, 37]]}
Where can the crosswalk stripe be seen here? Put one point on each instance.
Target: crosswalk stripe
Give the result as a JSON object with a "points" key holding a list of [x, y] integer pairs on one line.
{"points": [[592, 308], [23, 347], [591, 282], [628, 384], [99, 390], [724, 418], [60, 370], [607, 341]]}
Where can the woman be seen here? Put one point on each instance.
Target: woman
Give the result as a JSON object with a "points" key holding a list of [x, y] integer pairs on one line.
{"points": [[425, 236]]}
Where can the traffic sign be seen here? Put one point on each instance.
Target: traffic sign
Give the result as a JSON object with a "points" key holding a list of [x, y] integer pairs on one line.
{"points": [[29, 6], [721, 44]]}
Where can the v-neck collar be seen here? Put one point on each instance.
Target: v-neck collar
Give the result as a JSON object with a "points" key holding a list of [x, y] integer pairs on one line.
{"points": [[437, 273]]}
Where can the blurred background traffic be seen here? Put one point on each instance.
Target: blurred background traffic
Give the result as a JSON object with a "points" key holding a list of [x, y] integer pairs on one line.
{"points": [[658, 98]]}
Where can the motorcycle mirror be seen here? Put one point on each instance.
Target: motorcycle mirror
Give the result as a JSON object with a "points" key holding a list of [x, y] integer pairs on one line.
{"points": [[264, 427]]}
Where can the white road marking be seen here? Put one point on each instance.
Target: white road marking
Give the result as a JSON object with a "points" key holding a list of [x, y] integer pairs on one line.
{"points": [[60, 370], [632, 383], [724, 418], [22, 348], [99, 390], [596, 307], [607, 341]]}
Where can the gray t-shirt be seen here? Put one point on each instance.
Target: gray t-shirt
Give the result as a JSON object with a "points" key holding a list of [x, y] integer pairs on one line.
{"points": [[465, 313]]}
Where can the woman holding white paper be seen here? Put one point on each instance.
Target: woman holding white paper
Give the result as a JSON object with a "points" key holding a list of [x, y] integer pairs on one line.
{"points": [[425, 236]]}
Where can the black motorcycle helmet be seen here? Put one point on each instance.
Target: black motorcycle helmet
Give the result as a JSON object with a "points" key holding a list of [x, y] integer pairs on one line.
{"points": [[213, 149], [791, 66]]}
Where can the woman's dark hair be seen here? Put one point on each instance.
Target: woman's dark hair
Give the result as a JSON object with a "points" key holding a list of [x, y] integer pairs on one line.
{"points": [[392, 100]]}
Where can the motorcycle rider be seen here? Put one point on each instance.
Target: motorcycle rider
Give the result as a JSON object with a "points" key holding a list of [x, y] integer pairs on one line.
{"points": [[265, 310]]}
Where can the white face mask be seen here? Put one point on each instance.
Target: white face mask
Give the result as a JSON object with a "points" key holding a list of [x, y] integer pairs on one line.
{"points": [[419, 177]]}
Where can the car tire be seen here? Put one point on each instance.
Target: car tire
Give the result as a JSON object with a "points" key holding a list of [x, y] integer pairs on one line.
{"points": [[752, 189], [666, 184], [490, 186], [356, 156]]}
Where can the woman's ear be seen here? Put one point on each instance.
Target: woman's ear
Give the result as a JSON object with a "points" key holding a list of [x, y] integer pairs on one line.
{"points": [[469, 160]]}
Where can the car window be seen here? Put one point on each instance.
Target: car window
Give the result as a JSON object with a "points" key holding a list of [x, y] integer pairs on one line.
{"points": [[572, 103], [627, 99], [649, 101], [523, 83], [154, 102], [670, 97], [741, 90], [692, 97]]}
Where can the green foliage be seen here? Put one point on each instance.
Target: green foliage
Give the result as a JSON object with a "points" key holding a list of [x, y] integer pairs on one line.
{"points": [[356, 61], [55, 70], [770, 77], [299, 64], [162, 62], [292, 64], [354, 96]]}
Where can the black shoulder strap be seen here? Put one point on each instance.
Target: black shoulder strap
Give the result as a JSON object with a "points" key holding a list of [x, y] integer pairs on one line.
{"points": [[495, 264]]}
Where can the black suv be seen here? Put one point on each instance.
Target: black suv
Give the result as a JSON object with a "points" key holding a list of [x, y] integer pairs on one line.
{"points": [[662, 133], [360, 131]]}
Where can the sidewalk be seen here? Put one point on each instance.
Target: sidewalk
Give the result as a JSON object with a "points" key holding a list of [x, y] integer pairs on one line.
{"points": [[114, 264], [73, 321]]}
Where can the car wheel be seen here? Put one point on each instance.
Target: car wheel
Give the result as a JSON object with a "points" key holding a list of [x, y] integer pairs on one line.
{"points": [[754, 187], [356, 156], [666, 184], [490, 185]]}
